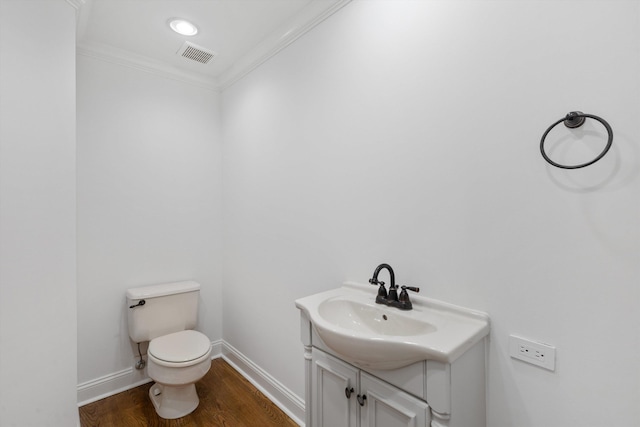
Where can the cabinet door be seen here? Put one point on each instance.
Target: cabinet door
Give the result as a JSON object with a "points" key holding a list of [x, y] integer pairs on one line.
{"points": [[330, 405], [388, 406]]}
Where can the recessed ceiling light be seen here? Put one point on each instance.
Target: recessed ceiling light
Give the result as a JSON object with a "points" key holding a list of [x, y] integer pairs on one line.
{"points": [[183, 27]]}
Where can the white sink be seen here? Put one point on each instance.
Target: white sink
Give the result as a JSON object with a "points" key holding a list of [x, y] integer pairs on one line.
{"points": [[375, 336], [368, 319]]}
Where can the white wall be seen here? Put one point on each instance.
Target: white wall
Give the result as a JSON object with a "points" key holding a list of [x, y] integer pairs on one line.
{"points": [[149, 192], [37, 214], [407, 132]]}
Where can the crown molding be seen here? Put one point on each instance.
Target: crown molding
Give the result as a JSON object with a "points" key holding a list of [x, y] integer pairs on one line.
{"points": [[313, 14], [76, 4], [142, 63]]}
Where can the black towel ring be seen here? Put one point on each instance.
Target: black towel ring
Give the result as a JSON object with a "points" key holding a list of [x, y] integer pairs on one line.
{"points": [[573, 120]]}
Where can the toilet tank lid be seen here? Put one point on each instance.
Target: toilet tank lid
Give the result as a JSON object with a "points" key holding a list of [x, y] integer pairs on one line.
{"points": [[162, 289]]}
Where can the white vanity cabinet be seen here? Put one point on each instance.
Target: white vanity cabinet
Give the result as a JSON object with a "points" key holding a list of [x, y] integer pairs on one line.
{"points": [[345, 396], [424, 394], [335, 391]]}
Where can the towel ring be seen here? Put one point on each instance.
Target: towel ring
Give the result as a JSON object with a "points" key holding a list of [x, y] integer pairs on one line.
{"points": [[574, 120]]}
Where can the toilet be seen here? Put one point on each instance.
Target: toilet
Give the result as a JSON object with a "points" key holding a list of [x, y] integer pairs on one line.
{"points": [[178, 356]]}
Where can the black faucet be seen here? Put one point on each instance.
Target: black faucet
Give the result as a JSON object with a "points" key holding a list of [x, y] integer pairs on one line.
{"points": [[382, 297], [402, 302]]}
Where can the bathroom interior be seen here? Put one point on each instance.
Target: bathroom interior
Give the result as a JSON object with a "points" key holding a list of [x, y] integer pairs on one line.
{"points": [[352, 133]]}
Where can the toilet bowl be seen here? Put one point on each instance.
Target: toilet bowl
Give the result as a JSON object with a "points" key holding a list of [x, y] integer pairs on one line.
{"points": [[176, 362], [178, 356]]}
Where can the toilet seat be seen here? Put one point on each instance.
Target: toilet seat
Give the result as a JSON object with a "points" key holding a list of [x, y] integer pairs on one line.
{"points": [[180, 349]]}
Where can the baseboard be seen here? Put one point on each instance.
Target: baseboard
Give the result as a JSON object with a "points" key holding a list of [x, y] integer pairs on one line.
{"points": [[275, 391], [111, 384], [126, 379]]}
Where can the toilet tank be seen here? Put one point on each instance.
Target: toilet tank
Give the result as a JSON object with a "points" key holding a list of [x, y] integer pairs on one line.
{"points": [[167, 308]]}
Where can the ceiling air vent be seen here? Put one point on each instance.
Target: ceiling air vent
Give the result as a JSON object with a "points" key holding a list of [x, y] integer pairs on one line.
{"points": [[195, 53]]}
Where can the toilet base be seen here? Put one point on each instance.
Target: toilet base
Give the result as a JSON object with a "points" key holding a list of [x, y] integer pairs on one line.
{"points": [[173, 402]]}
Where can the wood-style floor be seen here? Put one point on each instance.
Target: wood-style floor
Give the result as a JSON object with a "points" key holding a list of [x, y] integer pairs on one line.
{"points": [[227, 399]]}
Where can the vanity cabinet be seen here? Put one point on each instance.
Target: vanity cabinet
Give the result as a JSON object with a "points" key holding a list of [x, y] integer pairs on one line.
{"points": [[335, 392], [344, 395], [425, 394]]}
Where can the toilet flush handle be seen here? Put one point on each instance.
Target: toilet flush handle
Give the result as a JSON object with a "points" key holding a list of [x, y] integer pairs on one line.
{"points": [[141, 302]]}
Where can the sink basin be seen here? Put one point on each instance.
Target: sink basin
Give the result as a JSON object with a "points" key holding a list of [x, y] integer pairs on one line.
{"points": [[374, 336], [366, 319]]}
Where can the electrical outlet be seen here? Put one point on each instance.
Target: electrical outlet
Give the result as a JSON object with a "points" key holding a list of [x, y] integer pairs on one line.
{"points": [[536, 353]]}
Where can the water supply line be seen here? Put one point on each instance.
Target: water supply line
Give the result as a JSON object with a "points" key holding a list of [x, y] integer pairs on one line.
{"points": [[140, 364]]}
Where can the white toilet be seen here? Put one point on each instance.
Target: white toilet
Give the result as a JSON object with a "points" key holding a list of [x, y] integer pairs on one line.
{"points": [[178, 356]]}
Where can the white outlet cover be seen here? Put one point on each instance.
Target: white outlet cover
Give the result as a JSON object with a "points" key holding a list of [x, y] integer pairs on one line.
{"points": [[533, 352]]}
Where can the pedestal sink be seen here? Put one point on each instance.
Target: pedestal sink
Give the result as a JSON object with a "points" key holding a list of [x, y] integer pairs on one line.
{"points": [[379, 337]]}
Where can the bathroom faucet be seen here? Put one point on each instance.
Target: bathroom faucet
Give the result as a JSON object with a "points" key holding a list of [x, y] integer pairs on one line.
{"points": [[382, 292], [402, 302]]}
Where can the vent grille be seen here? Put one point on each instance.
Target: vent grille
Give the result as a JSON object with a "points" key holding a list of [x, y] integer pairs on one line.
{"points": [[195, 53]]}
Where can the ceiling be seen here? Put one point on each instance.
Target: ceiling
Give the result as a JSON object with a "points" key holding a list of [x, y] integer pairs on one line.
{"points": [[241, 33]]}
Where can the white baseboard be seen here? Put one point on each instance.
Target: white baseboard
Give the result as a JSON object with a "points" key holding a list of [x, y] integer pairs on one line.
{"points": [[111, 384], [124, 380], [275, 391], [127, 379]]}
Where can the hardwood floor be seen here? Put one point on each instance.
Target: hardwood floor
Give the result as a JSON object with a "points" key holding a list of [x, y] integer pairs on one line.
{"points": [[227, 399]]}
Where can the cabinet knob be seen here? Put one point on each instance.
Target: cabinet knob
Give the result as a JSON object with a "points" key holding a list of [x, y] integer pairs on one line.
{"points": [[348, 391], [361, 399]]}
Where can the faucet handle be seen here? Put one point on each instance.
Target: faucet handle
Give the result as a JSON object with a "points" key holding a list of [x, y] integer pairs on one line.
{"points": [[375, 281], [404, 303], [382, 291]]}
